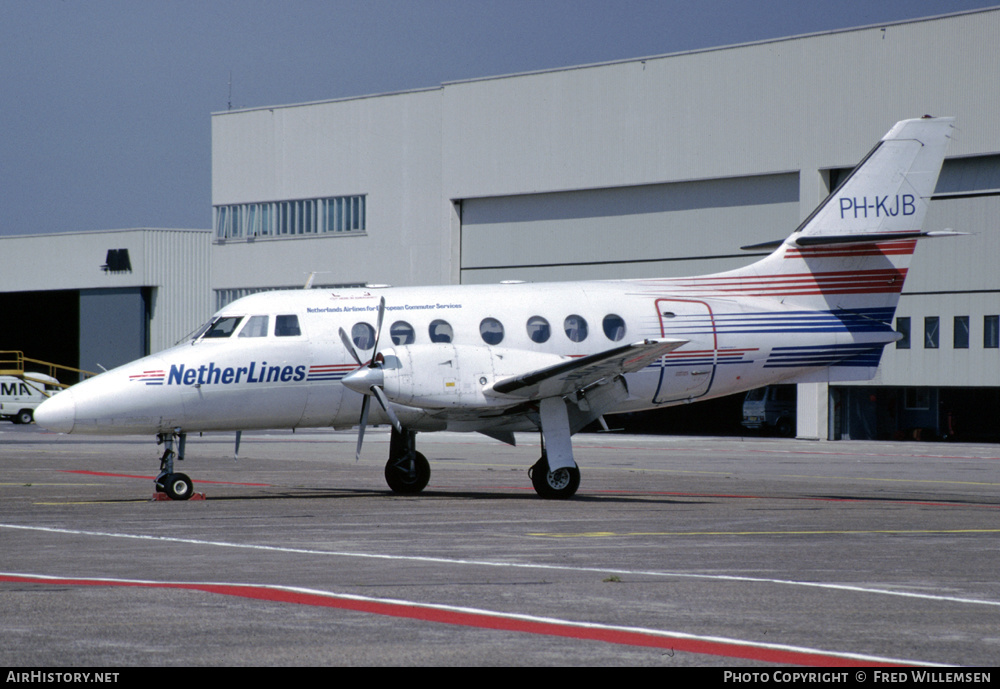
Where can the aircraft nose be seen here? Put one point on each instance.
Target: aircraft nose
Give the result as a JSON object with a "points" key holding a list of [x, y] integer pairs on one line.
{"points": [[57, 413]]}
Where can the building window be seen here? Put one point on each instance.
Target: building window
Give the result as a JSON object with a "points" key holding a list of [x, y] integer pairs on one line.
{"points": [[932, 326], [991, 332], [337, 214], [961, 336], [903, 328], [228, 296]]}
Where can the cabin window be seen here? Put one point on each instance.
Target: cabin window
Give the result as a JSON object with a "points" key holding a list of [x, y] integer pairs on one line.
{"points": [[363, 336], [614, 327], [402, 333], [224, 326], [538, 329], [440, 331], [256, 327], [576, 328], [491, 330], [287, 326]]}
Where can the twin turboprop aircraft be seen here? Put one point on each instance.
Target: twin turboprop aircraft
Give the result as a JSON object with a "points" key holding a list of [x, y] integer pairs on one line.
{"points": [[552, 356]]}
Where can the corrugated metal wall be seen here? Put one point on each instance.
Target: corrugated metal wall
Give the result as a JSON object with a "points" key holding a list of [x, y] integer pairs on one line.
{"points": [[645, 231]]}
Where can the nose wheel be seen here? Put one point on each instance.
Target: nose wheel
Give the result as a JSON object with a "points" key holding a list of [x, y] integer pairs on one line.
{"points": [[175, 486]]}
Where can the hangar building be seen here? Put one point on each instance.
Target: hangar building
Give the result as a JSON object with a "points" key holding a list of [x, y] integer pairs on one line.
{"points": [[93, 300], [655, 166]]}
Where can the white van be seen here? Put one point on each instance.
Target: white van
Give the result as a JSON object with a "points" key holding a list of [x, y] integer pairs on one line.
{"points": [[20, 396], [771, 409]]}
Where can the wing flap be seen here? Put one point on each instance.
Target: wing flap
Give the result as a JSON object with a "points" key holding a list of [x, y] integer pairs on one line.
{"points": [[569, 376]]}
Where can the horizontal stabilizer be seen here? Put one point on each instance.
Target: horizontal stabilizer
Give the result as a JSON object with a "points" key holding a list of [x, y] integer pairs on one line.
{"points": [[572, 375], [871, 238]]}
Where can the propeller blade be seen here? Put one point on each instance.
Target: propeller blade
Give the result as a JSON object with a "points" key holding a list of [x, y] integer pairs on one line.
{"points": [[384, 401], [369, 378], [361, 425], [349, 346], [378, 329]]}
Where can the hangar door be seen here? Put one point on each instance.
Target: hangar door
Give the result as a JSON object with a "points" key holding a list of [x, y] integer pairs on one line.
{"points": [[114, 326], [87, 329], [680, 228]]}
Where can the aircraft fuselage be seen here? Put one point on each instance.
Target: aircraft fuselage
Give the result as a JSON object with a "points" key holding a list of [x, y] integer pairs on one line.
{"points": [[238, 382]]}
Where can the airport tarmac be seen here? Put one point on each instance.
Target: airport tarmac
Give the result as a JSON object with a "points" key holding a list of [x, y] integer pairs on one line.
{"points": [[677, 551]]}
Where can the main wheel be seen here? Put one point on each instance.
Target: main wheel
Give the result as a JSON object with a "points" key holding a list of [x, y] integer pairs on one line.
{"points": [[785, 427], [408, 474], [24, 416], [559, 484], [176, 486]]}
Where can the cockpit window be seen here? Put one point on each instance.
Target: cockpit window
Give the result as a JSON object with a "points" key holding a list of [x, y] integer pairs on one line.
{"points": [[491, 330], [440, 331], [576, 328], [287, 326], [256, 327], [223, 326]]}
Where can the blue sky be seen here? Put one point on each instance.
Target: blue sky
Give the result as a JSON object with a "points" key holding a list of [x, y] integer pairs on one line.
{"points": [[105, 107]]}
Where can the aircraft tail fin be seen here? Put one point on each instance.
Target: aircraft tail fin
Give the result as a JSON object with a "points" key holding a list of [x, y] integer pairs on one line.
{"points": [[854, 250], [888, 192], [849, 258]]}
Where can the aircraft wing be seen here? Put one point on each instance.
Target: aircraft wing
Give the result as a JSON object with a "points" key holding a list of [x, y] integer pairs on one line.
{"points": [[569, 376]]}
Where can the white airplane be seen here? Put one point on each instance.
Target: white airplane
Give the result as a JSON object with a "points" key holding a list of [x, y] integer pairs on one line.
{"points": [[553, 357]]}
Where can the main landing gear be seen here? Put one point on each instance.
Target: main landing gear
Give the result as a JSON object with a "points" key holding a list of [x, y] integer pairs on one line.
{"points": [[175, 486], [558, 484], [407, 472]]}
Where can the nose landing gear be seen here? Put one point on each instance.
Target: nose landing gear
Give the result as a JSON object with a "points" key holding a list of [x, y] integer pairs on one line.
{"points": [[175, 486]]}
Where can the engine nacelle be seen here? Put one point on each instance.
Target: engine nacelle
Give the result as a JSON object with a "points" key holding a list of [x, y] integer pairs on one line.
{"points": [[437, 376]]}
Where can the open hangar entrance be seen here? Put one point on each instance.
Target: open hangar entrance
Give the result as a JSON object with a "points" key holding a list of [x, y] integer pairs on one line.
{"points": [[88, 329]]}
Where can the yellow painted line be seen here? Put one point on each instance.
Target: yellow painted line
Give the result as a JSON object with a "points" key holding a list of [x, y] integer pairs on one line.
{"points": [[613, 534]]}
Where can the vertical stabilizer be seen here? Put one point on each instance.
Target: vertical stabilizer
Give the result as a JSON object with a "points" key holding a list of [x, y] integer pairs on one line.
{"points": [[889, 191], [853, 251]]}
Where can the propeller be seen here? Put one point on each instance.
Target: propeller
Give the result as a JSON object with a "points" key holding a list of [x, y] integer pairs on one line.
{"points": [[368, 380]]}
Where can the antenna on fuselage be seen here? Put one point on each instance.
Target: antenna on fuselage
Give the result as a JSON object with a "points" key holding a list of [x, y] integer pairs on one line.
{"points": [[312, 276]]}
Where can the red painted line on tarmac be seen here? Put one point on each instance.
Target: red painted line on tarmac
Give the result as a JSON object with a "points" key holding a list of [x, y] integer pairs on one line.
{"points": [[485, 620], [152, 478]]}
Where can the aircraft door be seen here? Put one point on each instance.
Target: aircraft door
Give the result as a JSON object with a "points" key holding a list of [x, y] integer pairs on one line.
{"points": [[686, 373]]}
